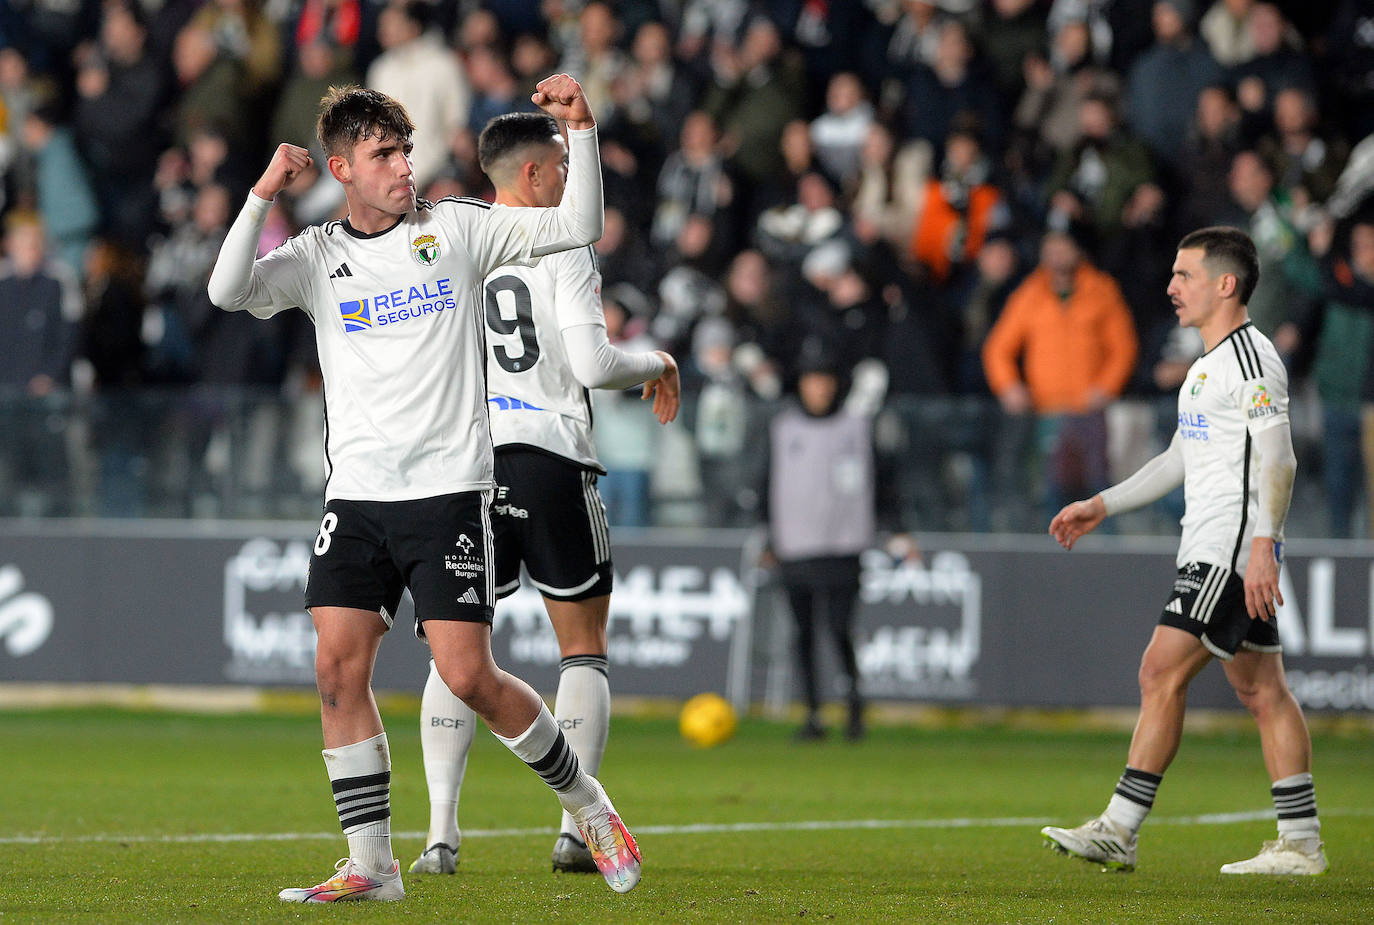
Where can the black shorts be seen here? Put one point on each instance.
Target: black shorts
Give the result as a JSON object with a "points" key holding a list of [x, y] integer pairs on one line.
{"points": [[549, 516], [1209, 602], [368, 552]]}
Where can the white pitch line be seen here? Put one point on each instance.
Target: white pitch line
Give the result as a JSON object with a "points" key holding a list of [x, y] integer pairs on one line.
{"points": [[818, 825]]}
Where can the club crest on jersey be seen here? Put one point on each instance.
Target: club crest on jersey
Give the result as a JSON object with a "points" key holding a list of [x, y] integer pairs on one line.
{"points": [[356, 315], [425, 250], [1198, 383]]}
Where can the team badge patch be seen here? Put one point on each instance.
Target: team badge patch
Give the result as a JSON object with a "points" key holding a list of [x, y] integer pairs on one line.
{"points": [[1260, 403], [356, 315], [425, 250], [1198, 383]]}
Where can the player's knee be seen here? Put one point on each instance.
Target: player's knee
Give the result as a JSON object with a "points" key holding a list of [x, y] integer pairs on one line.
{"points": [[1259, 697], [1159, 677], [468, 686], [338, 673]]}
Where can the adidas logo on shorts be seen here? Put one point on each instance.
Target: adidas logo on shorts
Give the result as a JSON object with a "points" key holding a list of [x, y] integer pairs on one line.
{"points": [[1174, 606], [469, 597]]}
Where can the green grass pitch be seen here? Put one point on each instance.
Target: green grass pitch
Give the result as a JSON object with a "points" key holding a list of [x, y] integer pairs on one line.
{"points": [[111, 816]]}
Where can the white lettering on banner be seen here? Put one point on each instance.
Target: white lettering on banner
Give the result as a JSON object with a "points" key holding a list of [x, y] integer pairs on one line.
{"points": [[25, 619], [276, 646], [1337, 690], [1319, 635], [922, 660], [656, 617]]}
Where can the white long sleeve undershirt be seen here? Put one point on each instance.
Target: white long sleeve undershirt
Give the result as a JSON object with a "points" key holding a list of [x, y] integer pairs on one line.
{"points": [[599, 364], [1278, 466], [1150, 482]]}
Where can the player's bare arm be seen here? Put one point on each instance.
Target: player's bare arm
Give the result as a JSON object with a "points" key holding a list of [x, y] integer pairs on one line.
{"points": [[288, 162], [1262, 594], [1077, 519], [561, 97], [666, 390]]}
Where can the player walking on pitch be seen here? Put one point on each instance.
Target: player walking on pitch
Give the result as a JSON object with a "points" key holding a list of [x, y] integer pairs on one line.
{"points": [[1233, 453], [395, 292], [547, 346]]}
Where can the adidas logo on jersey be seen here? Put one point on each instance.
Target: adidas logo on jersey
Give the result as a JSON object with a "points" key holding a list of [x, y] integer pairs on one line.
{"points": [[469, 597], [341, 272], [1174, 606]]}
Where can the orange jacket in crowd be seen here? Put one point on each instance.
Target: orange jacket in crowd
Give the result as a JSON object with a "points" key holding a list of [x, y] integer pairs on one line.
{"points": [[1066, 347]]}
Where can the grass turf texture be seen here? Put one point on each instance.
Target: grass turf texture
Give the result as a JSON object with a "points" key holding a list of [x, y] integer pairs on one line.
{"points": [[77, 777]]}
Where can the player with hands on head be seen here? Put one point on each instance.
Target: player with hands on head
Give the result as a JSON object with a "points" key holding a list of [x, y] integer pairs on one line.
{"points": [[546, 348], [1233, 454], [395, 293]]}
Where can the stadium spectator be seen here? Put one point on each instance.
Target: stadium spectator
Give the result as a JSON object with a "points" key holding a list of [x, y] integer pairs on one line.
{"points": [[838, 134], [1205, 158], [596, 58], [1288, 284], [1069, 329], [1011, 31], [339, 25], [494, 88], [40, 301], [62, 190], [1055, 88], [419, 69], [891, 183], [242, 31], [953, 85], [769, 339], [1225, 27], [1238, 484], [688, 290], [1349, 63], [117, 120], [959, 209], [110, 343], [319, 65], [755, 91], [1306, 163], [209, 83], [1107, 179], [1277, 63], [1344, 373], [914, 36], [653, 94], [837, 307], [693, 180], [1164, 83], [788, 232], [624, 256]]}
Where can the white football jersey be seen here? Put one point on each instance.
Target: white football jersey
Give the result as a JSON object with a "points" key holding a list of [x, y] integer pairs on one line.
{"points": [[532, 395], [399, 327], [1236, 389]]}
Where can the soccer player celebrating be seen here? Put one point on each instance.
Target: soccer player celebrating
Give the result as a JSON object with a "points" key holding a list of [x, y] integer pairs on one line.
{"points": [[395, 292], [1233, 453], [547, 346]]}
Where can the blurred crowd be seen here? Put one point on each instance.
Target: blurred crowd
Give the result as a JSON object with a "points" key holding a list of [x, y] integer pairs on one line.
{"points": [[970, 205]]}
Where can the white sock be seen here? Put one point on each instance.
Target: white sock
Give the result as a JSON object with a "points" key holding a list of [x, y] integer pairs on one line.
{"points": [[1133, 798], [361, 777], [543, 747], [583, 711], [1295, 803], [447, 726]]}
